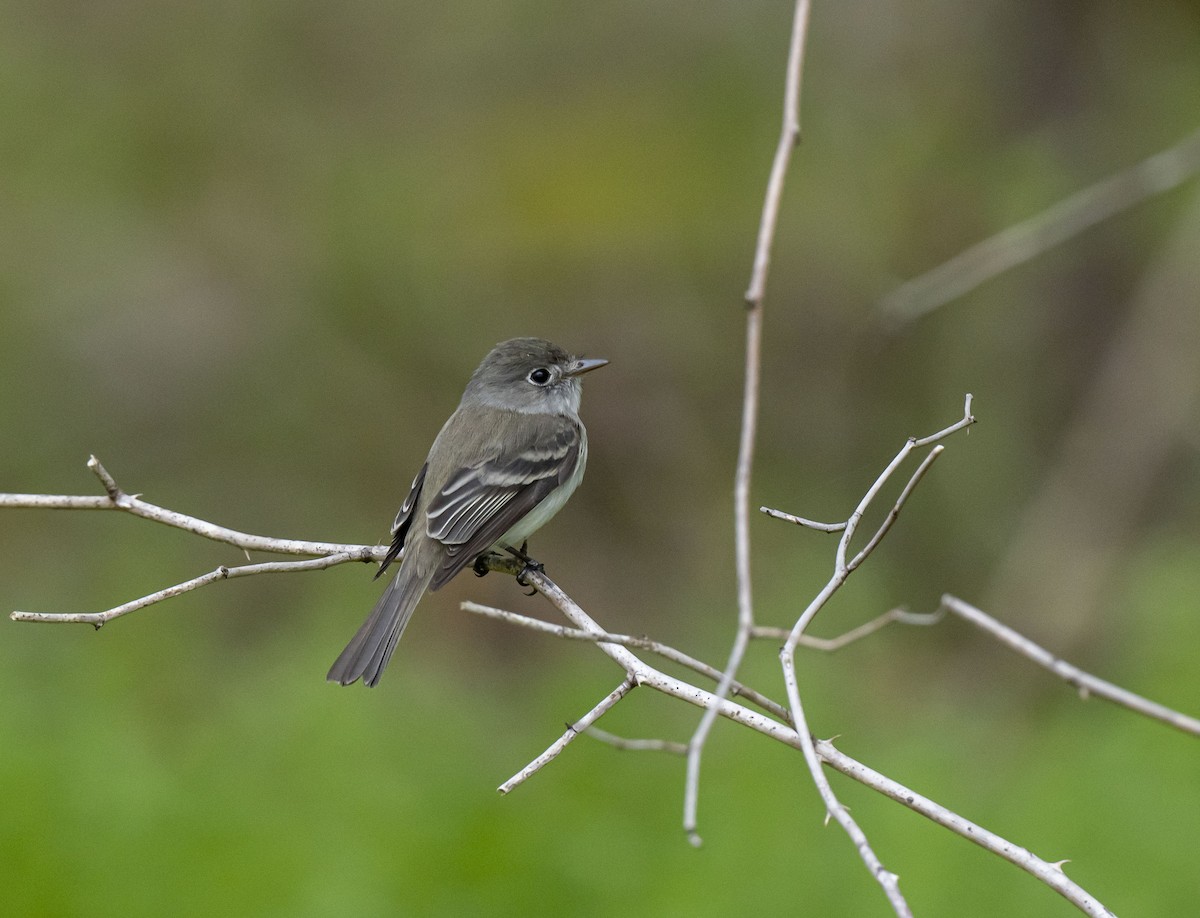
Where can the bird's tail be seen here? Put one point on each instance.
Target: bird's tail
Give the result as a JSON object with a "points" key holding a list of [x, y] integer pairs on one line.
{"points": [[370, 649]]}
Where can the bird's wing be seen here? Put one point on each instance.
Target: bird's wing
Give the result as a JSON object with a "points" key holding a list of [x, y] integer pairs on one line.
{"points": [[478, 504], [403, 520]]}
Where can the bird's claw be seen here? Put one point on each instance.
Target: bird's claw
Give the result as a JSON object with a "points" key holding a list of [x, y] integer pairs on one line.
{"points": [[531, 566]]}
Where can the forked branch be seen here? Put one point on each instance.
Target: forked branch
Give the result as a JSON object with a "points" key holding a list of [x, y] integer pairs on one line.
{"points": [[329, 553]]}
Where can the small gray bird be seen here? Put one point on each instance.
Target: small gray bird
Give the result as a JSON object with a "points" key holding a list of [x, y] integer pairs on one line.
{"points": [[504, 463]]}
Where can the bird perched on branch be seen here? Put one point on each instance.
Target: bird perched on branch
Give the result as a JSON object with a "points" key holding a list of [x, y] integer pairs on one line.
{"points": [[504, 463]]}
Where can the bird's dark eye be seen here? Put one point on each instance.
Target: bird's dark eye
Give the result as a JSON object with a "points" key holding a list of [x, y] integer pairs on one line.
{"points": [[539, 377]]}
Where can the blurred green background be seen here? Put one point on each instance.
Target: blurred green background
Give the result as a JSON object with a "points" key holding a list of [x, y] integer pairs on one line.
{"points": [[249, 253]]}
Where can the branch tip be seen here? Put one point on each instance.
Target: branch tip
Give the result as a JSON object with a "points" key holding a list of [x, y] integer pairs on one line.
{"points": [[110, 484]]}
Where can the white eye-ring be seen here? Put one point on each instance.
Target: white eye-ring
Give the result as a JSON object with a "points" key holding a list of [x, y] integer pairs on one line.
{"points": [[539, 377]]}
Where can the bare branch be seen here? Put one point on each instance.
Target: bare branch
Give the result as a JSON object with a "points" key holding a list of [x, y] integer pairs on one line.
{"points": [[894, 513], [1086, 683], [914, 443], [965, 421], [133, 504], [573, 731], [878, 623], [57, 502], [637, 745], [115, 494], [643, 674], [834, 807], [801, 521], [97, 619], [1049, 873], [788, 137], [842, 566], [787, 654], [627, 640], [1024, 241], [637, 672], [333, 553], [648, 676]]}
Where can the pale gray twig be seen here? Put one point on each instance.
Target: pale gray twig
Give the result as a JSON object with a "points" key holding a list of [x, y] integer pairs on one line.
{"points": [[801, 521], [894, 513], [1049, 872], [134, 505], [1087, 684], [643, 674], [637, 745], [788, 137], [829, 645], [97, 619], [637, 672], [573, 731], [627, 640], [332, 553], [843, 567], [834, 808]]}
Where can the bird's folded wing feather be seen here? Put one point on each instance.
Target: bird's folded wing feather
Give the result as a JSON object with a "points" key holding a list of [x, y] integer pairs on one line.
{"points": [[403, 520], [478, 505]]}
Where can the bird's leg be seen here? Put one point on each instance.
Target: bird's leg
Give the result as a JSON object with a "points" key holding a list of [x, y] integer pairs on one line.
{"points": [[522, 555]]}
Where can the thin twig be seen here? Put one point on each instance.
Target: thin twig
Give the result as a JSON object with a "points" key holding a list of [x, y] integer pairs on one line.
{"points": [[332, 553], [1053, 226], [637, 745], [637, 672], [1050, 873], [843, 566], [866, 629], [573, 732], [627, 640], [97, 619], [801, 521], [1087, 684], [888, 880], [787, 654], [894, 513], [788, 137], [646, 675], [961, 424], [133, 504], [643, 674]]}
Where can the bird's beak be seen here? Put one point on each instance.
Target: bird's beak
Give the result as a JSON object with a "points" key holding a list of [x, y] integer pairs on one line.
{"points": [[579, 367]]}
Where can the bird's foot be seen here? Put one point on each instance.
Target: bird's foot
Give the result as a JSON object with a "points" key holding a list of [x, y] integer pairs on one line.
{"points": [[531, 566]]}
